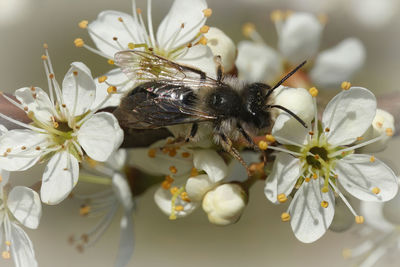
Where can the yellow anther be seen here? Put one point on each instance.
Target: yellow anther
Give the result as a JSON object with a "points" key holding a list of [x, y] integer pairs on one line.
{"points": [[37, 148], [183, 25], [83, 24], [270, 138], [248, 29], [325, 189], [26, 108], [169, 179], [281, 198], [23, 147], [8, 150], [111, 89], [359, 219], [379, 124], [311, 133], [179, 208], [314, 176], [313, 91], [173, 169], [45, 46], [185, 154], [1, 178], [207, 12], [193, 172], [111, 62], [115, 38], [204, 29], [152, 153], [184, 196], [120, 19], [203, 40], [51, 75], [92, 162], [79, 42], [389, 131], [102, 79], [335, 176], [139, 10], [263, 145], [44, 57], [285, 217], [346, 85], [307, 179], [85, 238], [376, 190], [316, 157], [165, 150], [277, 15], [8, 243], [288, 13], [75, 73], [346, 253], [6, 255], [165, 185], [360, 138], [372, 159], [131, 46], [323, 19], [173, 190], [324, 204], [84, 210], [172, 152], [327, 129]]}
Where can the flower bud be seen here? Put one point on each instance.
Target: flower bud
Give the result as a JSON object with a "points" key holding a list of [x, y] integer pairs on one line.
{"points": [[197, 186], [221, 45], [225, 203], [382, 122], [297, 100]]}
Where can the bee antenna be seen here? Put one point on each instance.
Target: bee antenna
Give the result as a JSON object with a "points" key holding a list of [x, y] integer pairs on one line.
{"points": [[290, 112], [285, 78]]}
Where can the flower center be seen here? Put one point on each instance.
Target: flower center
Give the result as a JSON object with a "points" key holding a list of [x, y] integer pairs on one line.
{"points": [[319, 153]]}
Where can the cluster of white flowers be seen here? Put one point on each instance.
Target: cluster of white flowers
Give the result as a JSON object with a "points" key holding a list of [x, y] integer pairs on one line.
{"points": [[69, 129]]}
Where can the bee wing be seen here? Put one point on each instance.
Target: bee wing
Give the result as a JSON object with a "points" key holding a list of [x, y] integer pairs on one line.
{"points": [[146, 110], [146, 66]]}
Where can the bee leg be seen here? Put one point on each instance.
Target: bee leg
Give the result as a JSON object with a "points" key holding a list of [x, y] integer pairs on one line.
{"points": [[220, 70], [227, 145], [193, 132], [250, 141]]}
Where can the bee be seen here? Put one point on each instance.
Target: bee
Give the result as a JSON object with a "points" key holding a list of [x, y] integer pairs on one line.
{"points": [[173, 94]]}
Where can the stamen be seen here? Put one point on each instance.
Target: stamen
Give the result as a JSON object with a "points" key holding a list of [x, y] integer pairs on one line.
{"points": [[249, 31], [346, 85], [179, 208], [111, 62], [173, 201], [24, 125], [346, 202], [152, 153], [150, 24], [313, 91], [204, 29], [193, 172], [184, 196], [185, 154], [84, 210], [173, 169], [79, 42], [376, 190], [285, 150], [323, 19], [111, 89], [270, 138], [207, 12], [359, 219], [389, 131], [263, 145], [327, 129], [373, 140], [324, 204], [203, 41], [166, 185], [83, 24], [6, 255], [277, 15], [285, 217], [282, 198], [372, 159], [102, 79]]}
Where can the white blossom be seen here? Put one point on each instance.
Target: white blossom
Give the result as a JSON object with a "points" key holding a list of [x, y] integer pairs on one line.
{"points": [[21, 205], [179, 37], [299, 36], [321, 158], [65, 124]]}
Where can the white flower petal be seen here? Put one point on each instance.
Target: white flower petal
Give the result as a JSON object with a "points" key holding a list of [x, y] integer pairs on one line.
{"points": [[59, 178], [285, 172], [309, 220], [297, 100], [197, 186], [163, 199], [339, 63], [161, 163], [25, 205], [4, 177], [258, 62], [382, 121], [117, 160], [126, 242], [373, 215], [299, 37], [223, 46], [122, 190], [353, 111], [358, 175], [100, 136], [115, 76], [287, 128], [21, 248], [200, 57], [108, 26], [188, 13], [36, 101], [373, 14], [20, 159], [79, 91], [211, 162]]}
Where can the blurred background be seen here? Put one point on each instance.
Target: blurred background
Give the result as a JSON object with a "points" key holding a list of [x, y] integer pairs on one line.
{"points": [[259, 238]]}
